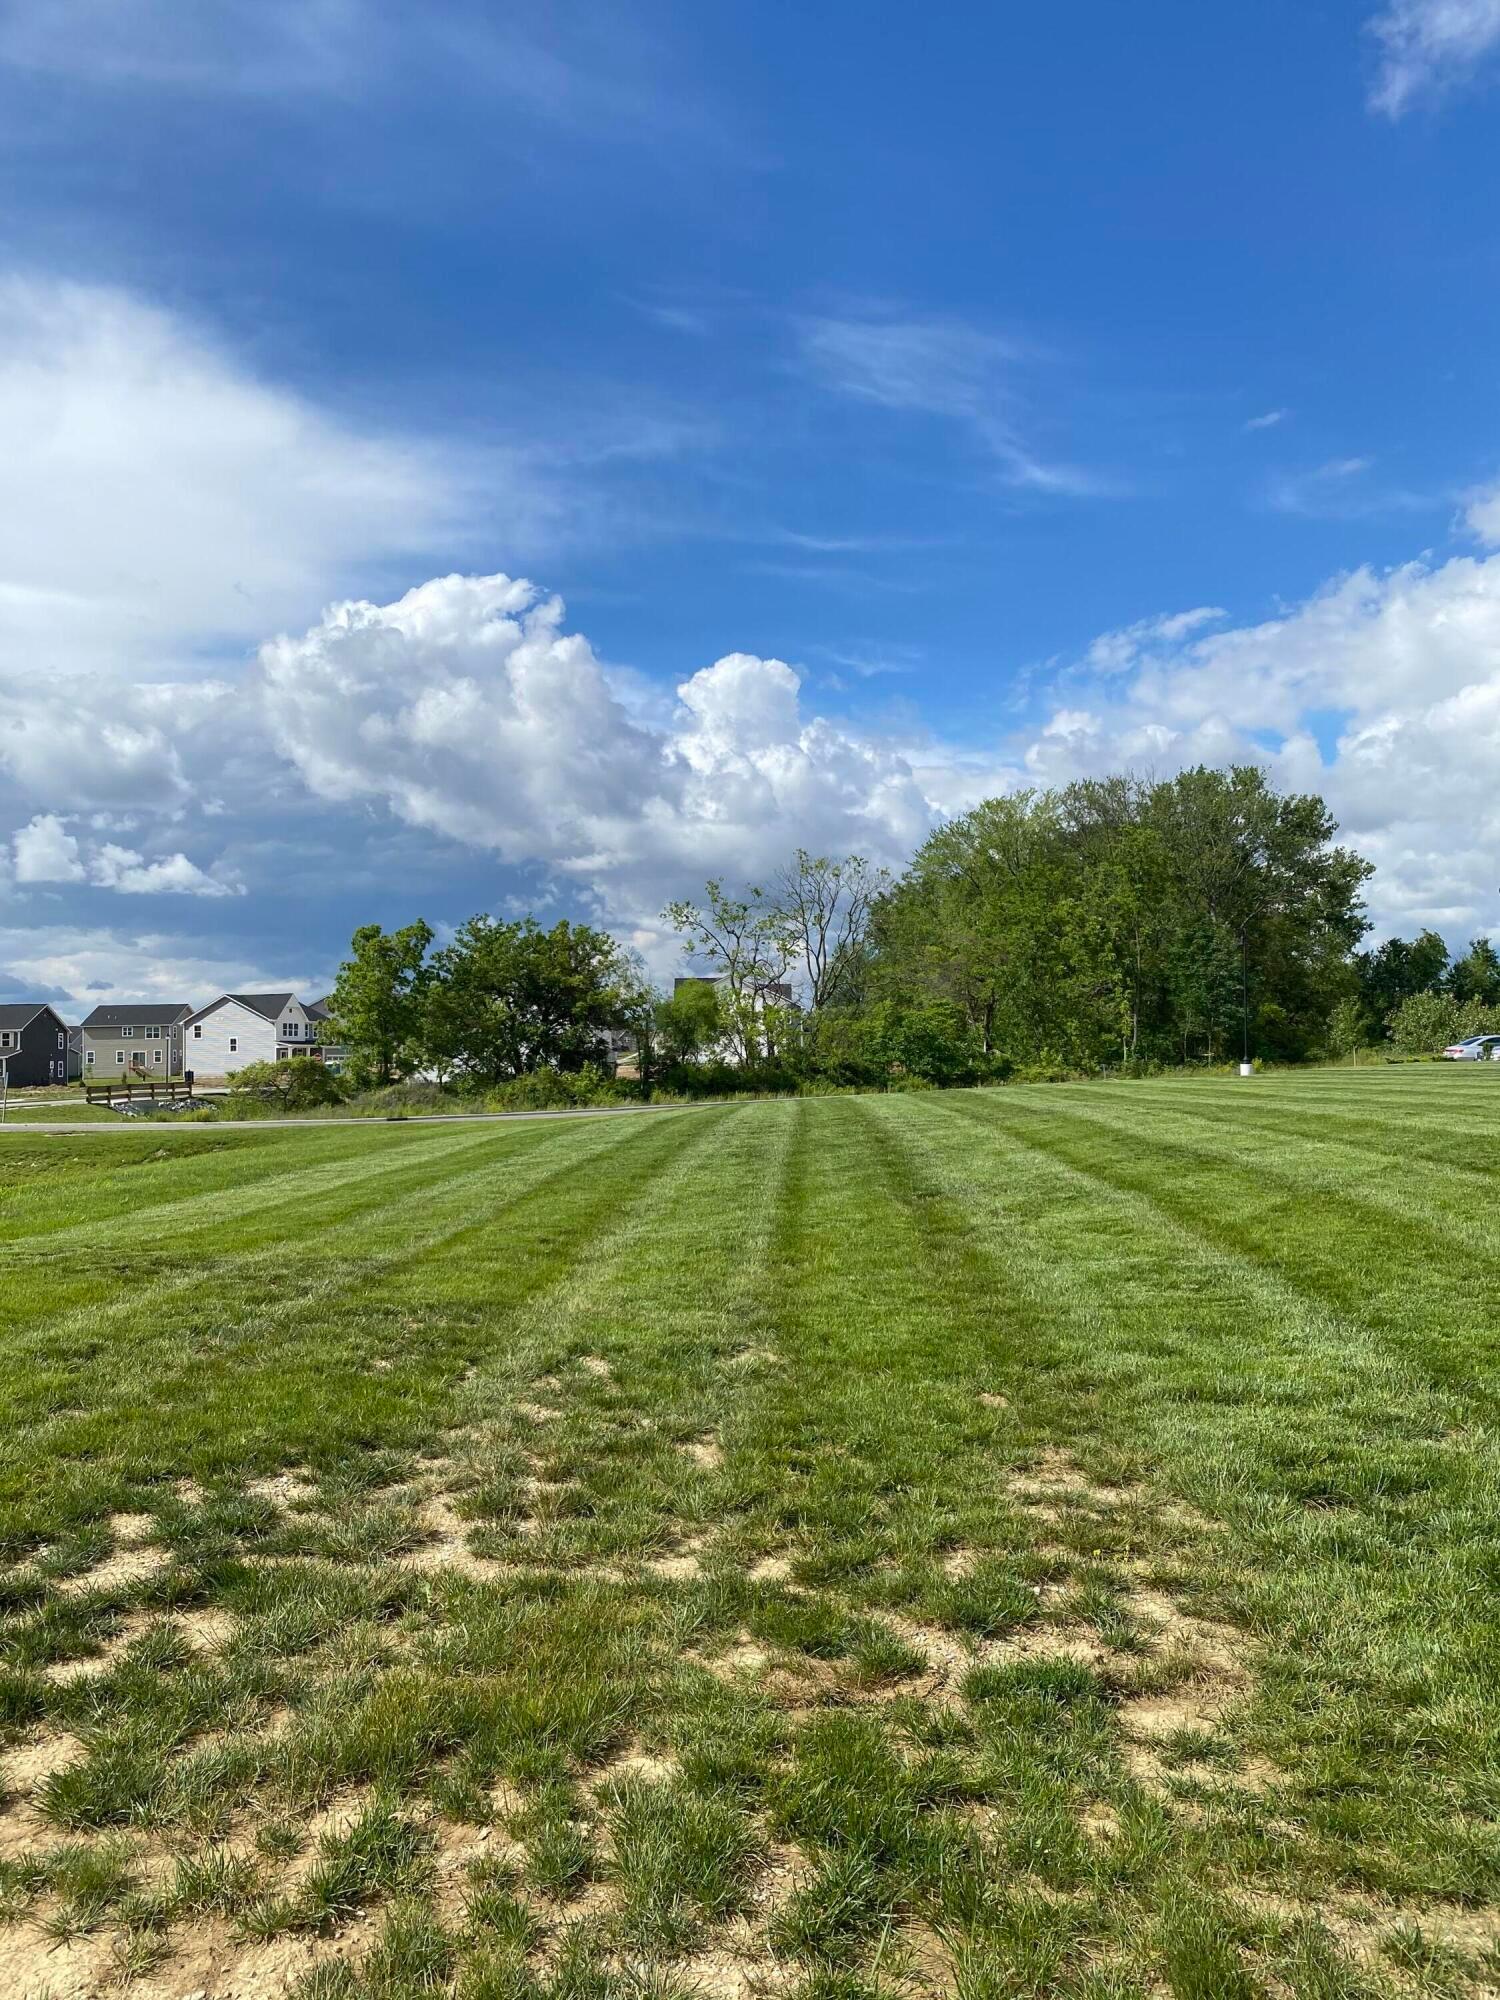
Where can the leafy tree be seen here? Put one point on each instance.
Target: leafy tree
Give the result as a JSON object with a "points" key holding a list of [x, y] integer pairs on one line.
{"points": [[1476, 976], [1424, 1023], [378, 1001], [299, 1084], [1398, 968], [745, 941], [506, 999], [1348, 1028], [822, 912], [690, 1023]]}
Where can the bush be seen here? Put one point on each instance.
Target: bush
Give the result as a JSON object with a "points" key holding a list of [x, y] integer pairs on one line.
{"points": [[298, 1084], [1424, 1023], [559, 1090]]}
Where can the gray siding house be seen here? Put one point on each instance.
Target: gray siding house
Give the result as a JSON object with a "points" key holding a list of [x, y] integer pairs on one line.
{"points": [[145, 1041]]}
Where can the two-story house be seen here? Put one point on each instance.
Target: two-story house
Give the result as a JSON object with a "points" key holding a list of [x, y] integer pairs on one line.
{"points": [[33, 1043], [241, 1028], [144, 1040]]}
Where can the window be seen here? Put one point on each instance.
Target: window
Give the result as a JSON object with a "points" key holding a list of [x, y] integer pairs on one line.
{"points": [[120, 1057], [152, 1034], [88, 1057], [126, 1033], [62, 1038], [234, 1043], [197, 1031], [282, 1054], [156, 1057]]}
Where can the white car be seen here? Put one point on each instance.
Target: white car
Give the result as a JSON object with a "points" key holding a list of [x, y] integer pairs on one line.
{"points": [[1478, 1048]]}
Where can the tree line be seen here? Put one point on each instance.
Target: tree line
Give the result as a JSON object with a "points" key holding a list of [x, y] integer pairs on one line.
{"points": [[1121, 923]]}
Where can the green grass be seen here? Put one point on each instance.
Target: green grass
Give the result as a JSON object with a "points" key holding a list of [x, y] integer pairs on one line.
{"points": [[1027, 1542]]}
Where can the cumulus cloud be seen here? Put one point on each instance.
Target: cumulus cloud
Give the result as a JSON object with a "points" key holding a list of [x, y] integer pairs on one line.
{"points": [[466, 708], [131, 874], [1382, 691], [46, 852], [1428, 46]]}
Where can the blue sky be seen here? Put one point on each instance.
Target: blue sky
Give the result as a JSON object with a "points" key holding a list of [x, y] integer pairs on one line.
{"points": [[901, 410]]}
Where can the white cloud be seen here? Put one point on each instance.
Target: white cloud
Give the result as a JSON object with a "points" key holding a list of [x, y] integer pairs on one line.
{"points": [[1382, 692], [1482, 515], [1267, 422], [1428, 46], [46, 852], [84, 966], [466, 709], [942, 368], [131, 874], [155, 496]]}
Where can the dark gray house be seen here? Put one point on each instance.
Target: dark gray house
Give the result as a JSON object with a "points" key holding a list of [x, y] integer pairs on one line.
{"points": [[33, 1043]]}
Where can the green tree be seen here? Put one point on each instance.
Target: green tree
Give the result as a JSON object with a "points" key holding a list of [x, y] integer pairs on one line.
{"points": [[1476, 976], [1398, 968], [299, 1084], [506, 999], [1348, 1028], [746, 942], [821, 909], [378, 1001], [1424, 1023]]}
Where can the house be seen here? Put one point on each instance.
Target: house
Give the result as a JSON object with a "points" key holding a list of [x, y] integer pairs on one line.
{"points": [[33, 1043], [241, 1028], [755, 1028], [145, 1040]]}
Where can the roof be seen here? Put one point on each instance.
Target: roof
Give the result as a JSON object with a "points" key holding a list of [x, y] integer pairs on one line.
{"points": [[271, 1005], [157, 1014], [20, 1013], [319, 1010]]}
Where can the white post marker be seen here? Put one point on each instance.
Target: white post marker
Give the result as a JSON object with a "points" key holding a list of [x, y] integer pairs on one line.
{"points": [[1247, 1069]]}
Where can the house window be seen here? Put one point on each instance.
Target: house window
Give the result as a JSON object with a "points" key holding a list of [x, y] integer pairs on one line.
{"points": [[126, 1033], [88, 1057], [7, 1039], [152, 1034], [120, 1057], [234, 1043], [282, 1054], [62, 1039], [156, 1057], [197, 1031]]}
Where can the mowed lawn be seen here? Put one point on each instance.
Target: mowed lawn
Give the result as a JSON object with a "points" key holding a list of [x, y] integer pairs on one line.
{"points": [[1034, 1541]]}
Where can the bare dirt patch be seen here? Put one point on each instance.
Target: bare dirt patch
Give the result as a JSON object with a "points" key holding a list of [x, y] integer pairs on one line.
{"points": [[289, 1488], [1055, 1481], [771, 1569], [705, 1452], [596, 1365], [123, 1570], [993, 1400], [447, 1543]]}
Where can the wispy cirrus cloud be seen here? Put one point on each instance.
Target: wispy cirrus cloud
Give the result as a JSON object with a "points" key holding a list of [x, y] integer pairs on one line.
{"points": [[940, 367], [1429, 47], [1268, 421]]}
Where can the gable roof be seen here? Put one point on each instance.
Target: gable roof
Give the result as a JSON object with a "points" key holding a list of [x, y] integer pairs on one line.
{"points": [[159, 1014], [21, 1013], [271, 1005]]}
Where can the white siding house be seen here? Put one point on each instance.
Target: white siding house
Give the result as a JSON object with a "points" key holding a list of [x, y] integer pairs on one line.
{"points": [[241, 1028]]}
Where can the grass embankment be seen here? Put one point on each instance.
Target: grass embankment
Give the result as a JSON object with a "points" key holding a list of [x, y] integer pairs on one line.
{"points": [[1031, 1542]]}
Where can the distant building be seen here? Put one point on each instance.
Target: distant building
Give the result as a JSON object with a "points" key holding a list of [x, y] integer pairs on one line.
{"points": [[774, 993], [33, 1043], [145, 1040], [241, 1028]]}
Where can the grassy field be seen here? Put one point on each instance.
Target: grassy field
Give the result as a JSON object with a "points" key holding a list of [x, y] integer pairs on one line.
{"points": [[1040, 1541]]}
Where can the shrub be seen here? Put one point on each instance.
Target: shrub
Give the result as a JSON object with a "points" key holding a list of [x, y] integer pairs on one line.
{"points": [[298, 1084], [1424, 1023]]}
